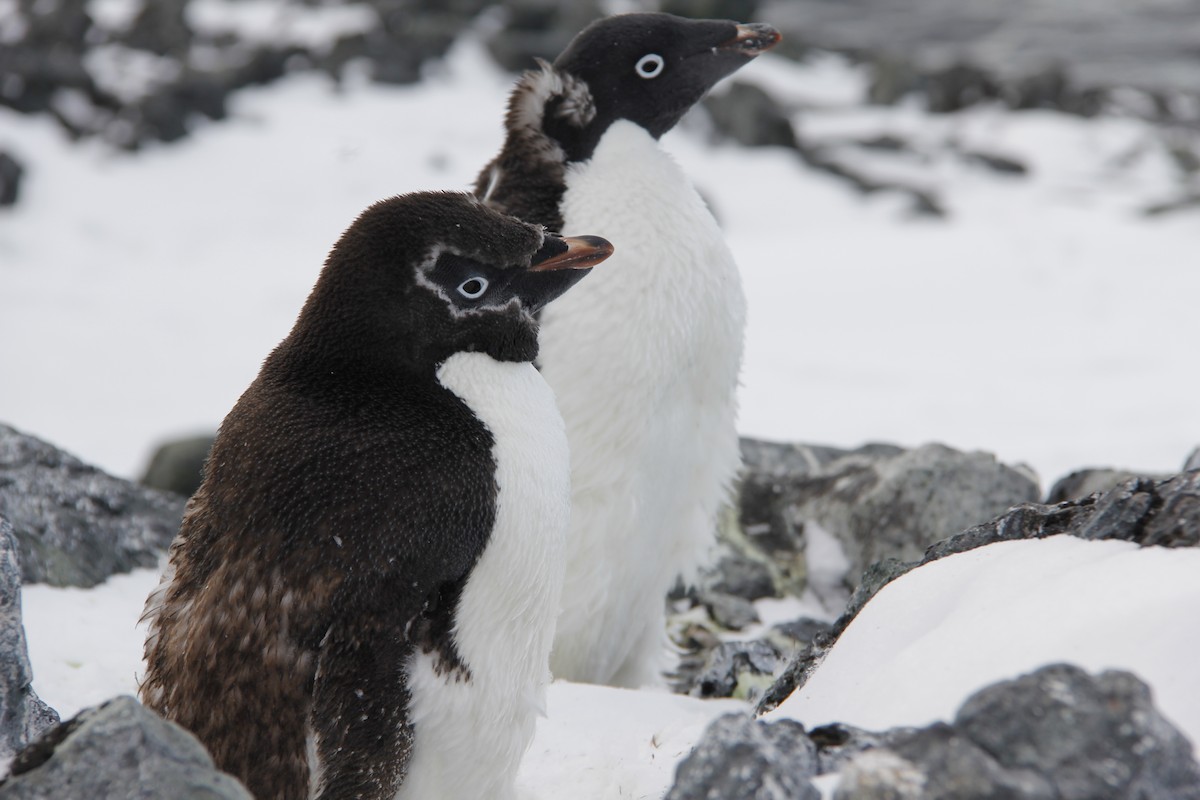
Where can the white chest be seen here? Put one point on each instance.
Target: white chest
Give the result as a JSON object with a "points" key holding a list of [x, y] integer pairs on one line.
{"points": [[470, 735], [652, 340]]}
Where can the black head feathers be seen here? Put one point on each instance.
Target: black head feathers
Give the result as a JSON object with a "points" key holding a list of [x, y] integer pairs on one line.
{"points": [[419, 277]]}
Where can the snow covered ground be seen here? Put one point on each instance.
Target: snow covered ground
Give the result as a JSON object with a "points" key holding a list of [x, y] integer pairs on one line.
{"points": [[912, 656], [1045, 320]]}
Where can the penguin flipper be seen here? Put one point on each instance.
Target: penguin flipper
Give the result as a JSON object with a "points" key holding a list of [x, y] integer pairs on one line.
{"points": [[363, 737]]}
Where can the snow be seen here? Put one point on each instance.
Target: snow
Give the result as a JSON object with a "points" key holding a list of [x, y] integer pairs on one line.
{"points": [[937, 634], [1045, 320], [595, 743]]}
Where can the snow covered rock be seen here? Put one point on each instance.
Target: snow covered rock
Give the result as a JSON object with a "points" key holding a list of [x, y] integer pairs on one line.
{"points": [[743, 759], [74, 524], [117, 751], [23, 716]]}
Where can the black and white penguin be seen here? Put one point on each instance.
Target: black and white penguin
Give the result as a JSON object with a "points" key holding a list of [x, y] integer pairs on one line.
{"points": [[644, 359], [361, 599]]}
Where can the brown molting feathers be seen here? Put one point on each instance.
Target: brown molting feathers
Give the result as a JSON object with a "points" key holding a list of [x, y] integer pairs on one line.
{"points": [[537, 87]]}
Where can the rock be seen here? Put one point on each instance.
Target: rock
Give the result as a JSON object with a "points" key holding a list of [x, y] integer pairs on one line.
{"points": [[161, 27], [738, 574], [535, 29], [1083, 482], [74, 524], [743, 670], [880, 775], [738, 758], [995, 162], [767, 531], [1193, 461], [11, 173], [881, 504], [1054, 734], [739, 10], [947, 761], [746, 113], [178, 465], [1088, 736], [1164, 513], [1036, 53], [728, 611], [23, 716], [119, 751]]}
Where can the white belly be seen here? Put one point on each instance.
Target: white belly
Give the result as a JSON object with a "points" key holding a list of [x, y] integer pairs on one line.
{"points": [[643, 357], [471, 735]]}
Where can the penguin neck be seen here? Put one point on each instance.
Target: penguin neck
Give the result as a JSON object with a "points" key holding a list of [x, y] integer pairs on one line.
{"points": [[552, 122]]}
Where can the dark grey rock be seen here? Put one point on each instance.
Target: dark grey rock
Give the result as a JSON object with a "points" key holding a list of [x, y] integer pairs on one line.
{"points": [[1088, 736], [1055, 734], [739, 10], [1083, 482], [11, 173], [738, 758], [955, 768], [178, 465], [889, 504], [837, 744], [738, 669], [1052, 50], [750, 116], [729, 611], [773, 474], [996, 162], [801, 631], [23, 716], [118, 751], [535, 29], [1193, 461], [161, 27], [74, 524], [739, 574], [1164, 513]]}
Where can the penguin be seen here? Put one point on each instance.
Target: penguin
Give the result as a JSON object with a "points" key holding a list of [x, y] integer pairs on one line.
{"points": [[644, 359], [361, 598]]}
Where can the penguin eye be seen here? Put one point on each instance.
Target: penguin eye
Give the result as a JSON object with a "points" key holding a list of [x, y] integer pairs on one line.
{"points": [[473, 288], [649, 66]]}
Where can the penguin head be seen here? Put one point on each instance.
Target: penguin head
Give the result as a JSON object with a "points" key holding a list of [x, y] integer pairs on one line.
{"points": [[646, 68], [419, 277]]}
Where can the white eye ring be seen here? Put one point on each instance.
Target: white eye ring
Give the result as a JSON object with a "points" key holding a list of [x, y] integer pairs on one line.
{"points": [[649, 66], [473, 288]]}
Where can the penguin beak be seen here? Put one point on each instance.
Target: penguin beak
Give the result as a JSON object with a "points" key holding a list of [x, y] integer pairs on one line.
{"points": [[573, 252], [752, 39], [559, 265]]}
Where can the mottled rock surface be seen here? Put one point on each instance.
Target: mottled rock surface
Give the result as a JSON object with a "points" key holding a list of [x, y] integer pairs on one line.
{"points": [[118, 751], [743, 759], [23, 716], [74, 524], [1057, 733], [879, 502]]}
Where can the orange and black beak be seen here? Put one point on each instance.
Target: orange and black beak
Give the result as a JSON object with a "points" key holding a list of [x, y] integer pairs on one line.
{"points": [[557, 266], [752, 39]]}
